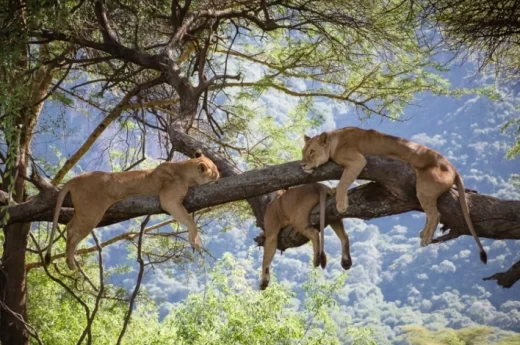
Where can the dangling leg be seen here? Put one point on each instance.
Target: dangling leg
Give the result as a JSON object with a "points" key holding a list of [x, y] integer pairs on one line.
{"points": [[346, 260], [271, 242], [313, 235], [353, 165], [76, 231], [429, 188], [433, 218], [171, 202]]}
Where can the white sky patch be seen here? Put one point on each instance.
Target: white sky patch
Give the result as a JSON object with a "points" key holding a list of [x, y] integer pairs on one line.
{"points": [[327, 110], [465, 107], [434, 141], [479, 176], [486, 131], [399, 229], [479, 147], [464, 253], [444, 267]]}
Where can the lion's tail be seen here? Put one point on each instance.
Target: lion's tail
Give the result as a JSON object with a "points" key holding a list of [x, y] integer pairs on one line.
{"points": [[323, 203], [59, 201], [465, 211]]}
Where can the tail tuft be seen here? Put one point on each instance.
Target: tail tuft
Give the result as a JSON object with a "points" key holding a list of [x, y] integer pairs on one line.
{"points": [[323, 260], [483, 256], [47, 259]]}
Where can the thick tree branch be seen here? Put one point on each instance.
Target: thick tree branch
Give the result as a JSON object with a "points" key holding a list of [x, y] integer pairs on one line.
{"points": [[393, 192], [155, 62], [493, 218]]}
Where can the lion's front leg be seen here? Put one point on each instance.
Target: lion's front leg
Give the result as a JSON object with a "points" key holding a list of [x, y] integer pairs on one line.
{"points": [[353, 167], [171, 197]]}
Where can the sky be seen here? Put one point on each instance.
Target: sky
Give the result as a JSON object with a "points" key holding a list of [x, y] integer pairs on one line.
{"points": [[393, 281]]}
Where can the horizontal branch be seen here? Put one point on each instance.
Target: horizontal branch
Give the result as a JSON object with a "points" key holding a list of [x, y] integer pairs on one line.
{"points": [[493, 218], [393, 192]]}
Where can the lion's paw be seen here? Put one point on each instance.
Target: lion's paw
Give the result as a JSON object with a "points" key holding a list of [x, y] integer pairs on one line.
{"points": [[195, 242], [341, 207], [264, 283], [316, 260], [425, 242]]}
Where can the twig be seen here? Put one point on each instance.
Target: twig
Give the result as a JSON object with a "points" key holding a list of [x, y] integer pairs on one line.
{"points": [[63, 285], [139, 279], [101, 290]]}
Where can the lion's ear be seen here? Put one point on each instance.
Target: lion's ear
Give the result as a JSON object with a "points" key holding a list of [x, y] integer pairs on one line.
{"points": [[202, 167], [323, 138], [306, 138], [198, 153]]}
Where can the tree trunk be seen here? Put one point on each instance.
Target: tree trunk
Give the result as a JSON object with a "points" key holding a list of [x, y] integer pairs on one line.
{"points": [[13, 285], [13, 288]]}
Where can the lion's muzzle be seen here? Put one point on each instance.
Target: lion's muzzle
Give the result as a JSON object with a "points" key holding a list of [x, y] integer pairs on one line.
{"points": [[306, 168]]}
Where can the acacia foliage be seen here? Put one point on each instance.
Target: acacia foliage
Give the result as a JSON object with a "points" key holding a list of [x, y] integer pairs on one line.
{"points": [[475, 335], [226, 310], [486, 32]]}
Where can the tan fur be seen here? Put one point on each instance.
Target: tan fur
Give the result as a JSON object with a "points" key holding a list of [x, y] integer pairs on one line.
{"points": [[435, 174], [94, 192], [294, 207]]}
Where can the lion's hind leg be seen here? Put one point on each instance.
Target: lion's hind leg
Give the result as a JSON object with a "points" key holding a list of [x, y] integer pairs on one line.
{"points": [[346, 260], [431, 184], [76, 231], [271, 242], [313, 235]]}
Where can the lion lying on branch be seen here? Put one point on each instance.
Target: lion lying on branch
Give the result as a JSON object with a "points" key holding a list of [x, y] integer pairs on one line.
{"points": [[435, 174], [93, 193]]}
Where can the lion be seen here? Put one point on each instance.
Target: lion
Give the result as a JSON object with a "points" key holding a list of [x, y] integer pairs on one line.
{"points": [[293, 207], [435, 174], [93, 193]]}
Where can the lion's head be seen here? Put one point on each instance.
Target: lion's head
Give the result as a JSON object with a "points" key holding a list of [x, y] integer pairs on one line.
{"points": [[315, 152], [207, 170]]}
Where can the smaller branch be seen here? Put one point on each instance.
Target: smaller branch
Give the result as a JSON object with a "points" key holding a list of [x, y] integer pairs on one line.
{"points": [[205, 84], [30, 329], [41, 183], [109, 36], [102, 126], [508, 278], [361, 104], [55, 86], [202, 57], [4, 198], [153, 104], [139, 279], [128, 236], [179, 35], [101, 290], [159, 225]]}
